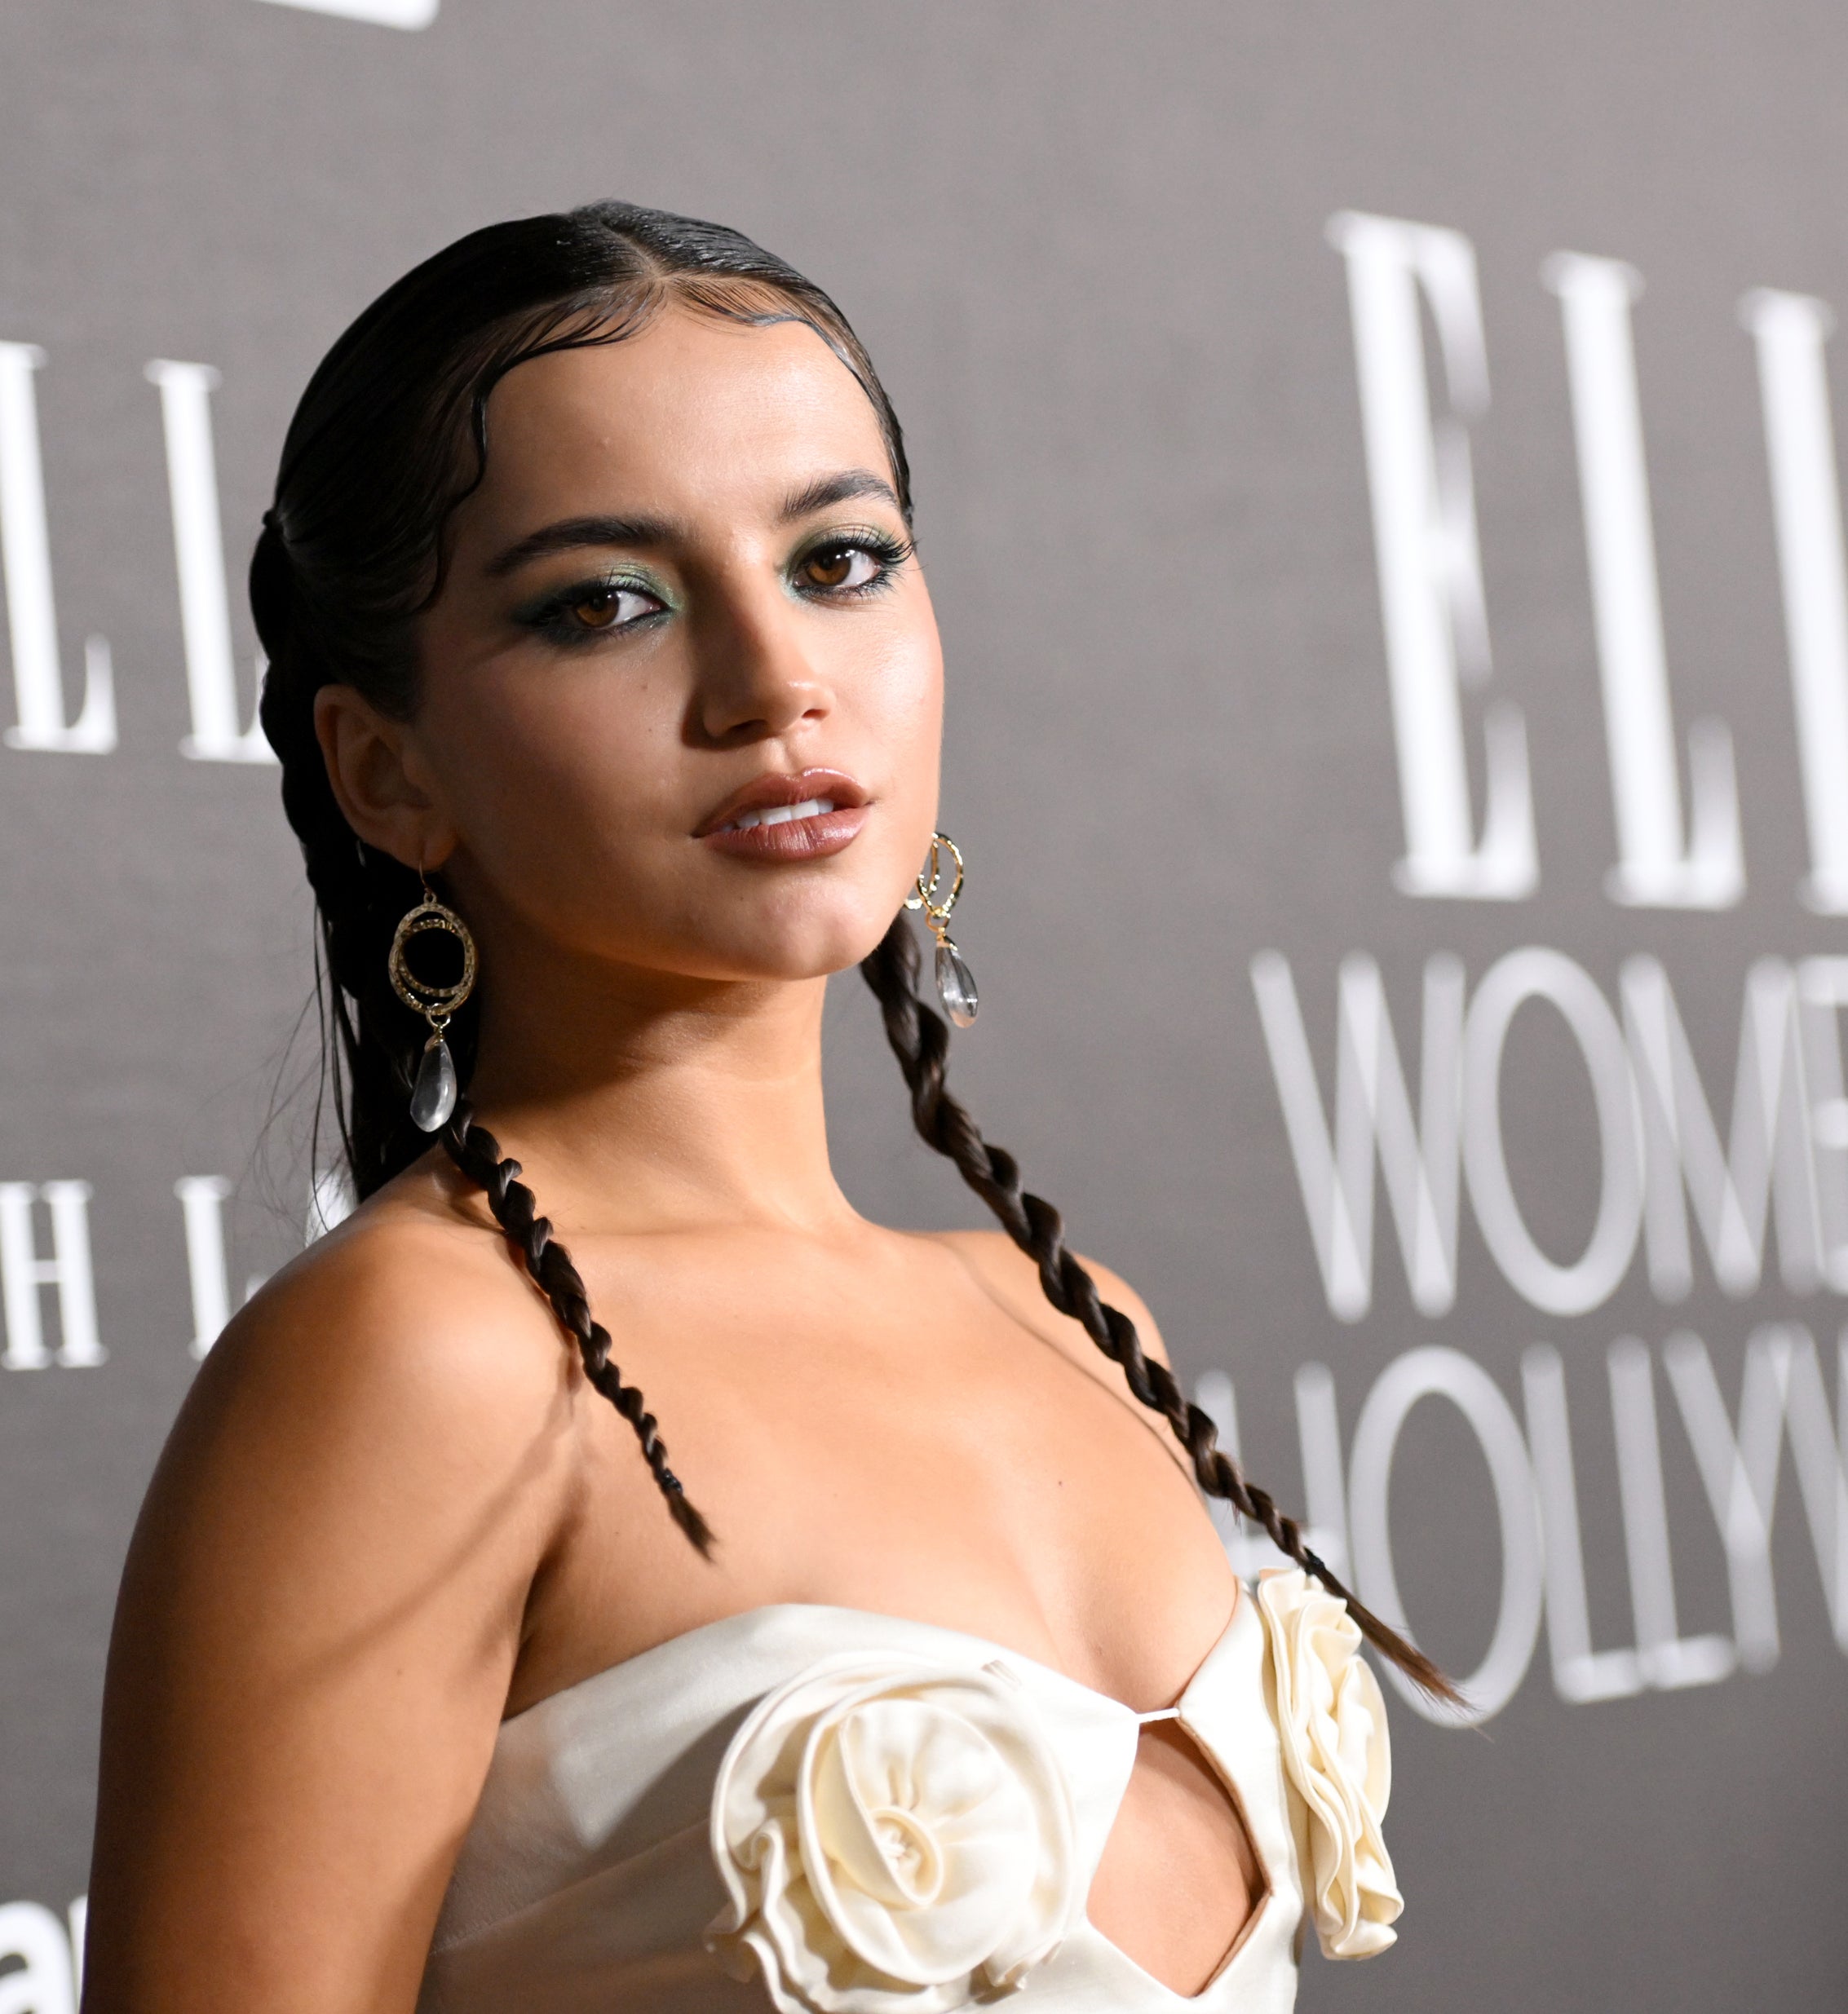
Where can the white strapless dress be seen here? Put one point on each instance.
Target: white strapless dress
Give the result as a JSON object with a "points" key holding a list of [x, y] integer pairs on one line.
{"points": [[825, 1810]]}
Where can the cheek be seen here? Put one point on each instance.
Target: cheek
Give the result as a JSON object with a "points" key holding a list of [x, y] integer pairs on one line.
{"points": [[901, 705], [556, 773]]}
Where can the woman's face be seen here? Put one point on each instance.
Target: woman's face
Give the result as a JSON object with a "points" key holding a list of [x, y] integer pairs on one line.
{"points": [[681, 695]]}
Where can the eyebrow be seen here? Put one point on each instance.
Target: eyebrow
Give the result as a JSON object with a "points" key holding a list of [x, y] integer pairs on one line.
{"points": [[571, 534], [826, 490]]}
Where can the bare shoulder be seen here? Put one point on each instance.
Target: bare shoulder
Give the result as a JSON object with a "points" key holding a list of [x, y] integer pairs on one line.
{"points": [[379, 1393], [416, 1308], [1013, 1277]]}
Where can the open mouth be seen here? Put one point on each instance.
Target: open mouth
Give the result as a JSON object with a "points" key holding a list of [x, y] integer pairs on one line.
{"points": [[779, 815], [803, 817]]}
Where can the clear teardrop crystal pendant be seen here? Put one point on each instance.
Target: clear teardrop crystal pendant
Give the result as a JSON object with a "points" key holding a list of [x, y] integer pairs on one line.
{"points": [[955, 985], [433, 1098]]}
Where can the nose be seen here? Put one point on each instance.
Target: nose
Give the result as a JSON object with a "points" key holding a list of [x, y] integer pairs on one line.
{"points": [[758, 678]]}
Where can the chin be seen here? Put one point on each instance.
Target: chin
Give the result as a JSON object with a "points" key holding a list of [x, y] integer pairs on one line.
{"points": [[815, 948]]}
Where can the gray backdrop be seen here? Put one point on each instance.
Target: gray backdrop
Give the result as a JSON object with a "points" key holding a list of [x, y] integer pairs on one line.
{"points": [[1221, 803]]}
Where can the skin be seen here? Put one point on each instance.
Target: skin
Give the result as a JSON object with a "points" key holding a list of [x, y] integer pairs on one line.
{"points": [[392, 1512]]}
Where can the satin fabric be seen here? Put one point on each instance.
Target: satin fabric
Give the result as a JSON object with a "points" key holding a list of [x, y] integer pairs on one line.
{"points": [[587, 1883]]}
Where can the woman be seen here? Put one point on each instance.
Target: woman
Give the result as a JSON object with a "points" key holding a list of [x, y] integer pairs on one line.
{"points": [[601, 659]]}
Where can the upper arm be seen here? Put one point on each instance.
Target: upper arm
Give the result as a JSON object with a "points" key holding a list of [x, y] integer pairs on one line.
{"points": [[321, 1609]]}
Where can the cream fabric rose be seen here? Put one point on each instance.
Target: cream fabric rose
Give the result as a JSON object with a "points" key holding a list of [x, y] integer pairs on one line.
{"points": [[893, 1835], [1332, 1722]]}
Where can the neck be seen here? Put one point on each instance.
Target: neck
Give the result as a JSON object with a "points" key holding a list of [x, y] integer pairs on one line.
{"points": [[639, 1100]]}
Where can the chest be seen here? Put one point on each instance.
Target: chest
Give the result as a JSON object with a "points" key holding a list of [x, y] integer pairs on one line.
{"points": [[891, 1438]]}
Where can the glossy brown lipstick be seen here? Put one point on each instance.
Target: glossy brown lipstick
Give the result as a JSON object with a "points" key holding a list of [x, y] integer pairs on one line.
{"points": [[806, 816]]}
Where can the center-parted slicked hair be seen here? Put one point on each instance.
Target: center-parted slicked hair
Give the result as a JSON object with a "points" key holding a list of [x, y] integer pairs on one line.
{"points": [[389, 437]]}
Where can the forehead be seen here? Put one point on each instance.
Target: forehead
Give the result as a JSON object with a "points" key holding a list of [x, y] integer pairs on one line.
{"points": [[694, 409]]}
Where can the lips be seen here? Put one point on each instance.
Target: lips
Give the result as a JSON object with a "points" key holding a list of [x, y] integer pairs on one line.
{"points": [[806, 816]]}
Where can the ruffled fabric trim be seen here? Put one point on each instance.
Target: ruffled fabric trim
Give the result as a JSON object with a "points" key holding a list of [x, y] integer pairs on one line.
{"points": [[1331, 1725]]}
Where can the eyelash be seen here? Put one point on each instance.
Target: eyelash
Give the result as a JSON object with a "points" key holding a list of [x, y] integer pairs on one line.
{"points": [[887, 553]]}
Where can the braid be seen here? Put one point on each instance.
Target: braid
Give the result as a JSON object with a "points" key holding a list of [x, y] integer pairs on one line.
{"points": [[477, 1153], [920, 1040]]}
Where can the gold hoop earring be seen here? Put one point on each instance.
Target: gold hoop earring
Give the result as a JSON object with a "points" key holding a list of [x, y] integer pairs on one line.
{"points": [[956, 983], [433, 1096]]}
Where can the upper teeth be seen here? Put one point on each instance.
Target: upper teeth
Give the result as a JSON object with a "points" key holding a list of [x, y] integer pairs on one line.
{"points": [[781, 813]]}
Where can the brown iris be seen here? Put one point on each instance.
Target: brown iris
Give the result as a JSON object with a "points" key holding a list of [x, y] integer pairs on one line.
{"points": [[831, 567], [597, 610]]}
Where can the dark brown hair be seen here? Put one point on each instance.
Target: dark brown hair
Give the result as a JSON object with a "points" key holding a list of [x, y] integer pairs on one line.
{"points": [[391, 435]]}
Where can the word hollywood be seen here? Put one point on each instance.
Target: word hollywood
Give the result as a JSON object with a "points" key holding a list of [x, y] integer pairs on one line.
{"points": [[1782, 1401]]}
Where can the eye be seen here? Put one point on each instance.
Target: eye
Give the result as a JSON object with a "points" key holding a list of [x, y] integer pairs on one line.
{"points": [[838, 567], [849, 563], [608, 607], [583, 610]]}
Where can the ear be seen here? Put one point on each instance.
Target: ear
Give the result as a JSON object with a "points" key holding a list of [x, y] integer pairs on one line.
{"points": [[379, 779]]}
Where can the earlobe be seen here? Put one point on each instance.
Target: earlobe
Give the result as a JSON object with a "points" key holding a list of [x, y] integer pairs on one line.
{"points": [[371, 769]]}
